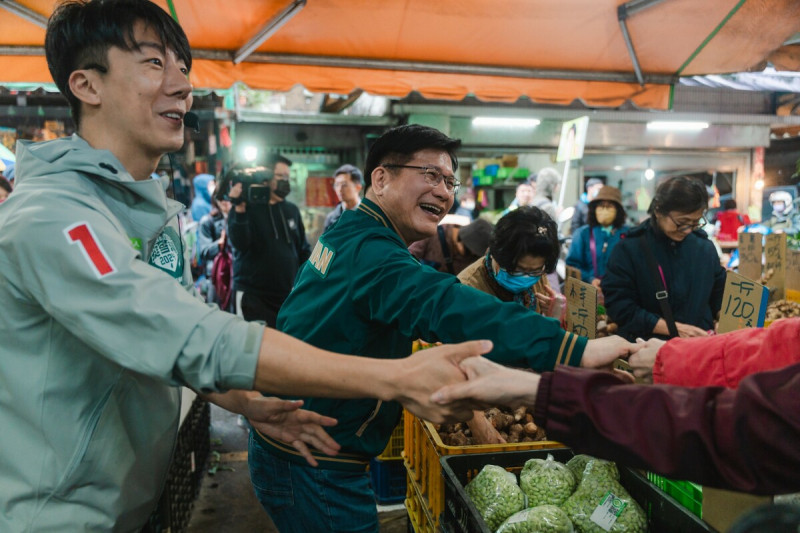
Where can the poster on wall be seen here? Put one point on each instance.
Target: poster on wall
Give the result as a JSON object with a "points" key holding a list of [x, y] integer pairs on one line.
{"points": [[573, 138], [320, 193]]}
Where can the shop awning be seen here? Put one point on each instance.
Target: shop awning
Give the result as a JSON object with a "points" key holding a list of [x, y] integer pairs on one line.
{"points": [[551, 51]]}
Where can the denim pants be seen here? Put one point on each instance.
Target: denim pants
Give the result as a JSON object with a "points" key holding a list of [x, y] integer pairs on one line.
{"points": [[303, 499]]}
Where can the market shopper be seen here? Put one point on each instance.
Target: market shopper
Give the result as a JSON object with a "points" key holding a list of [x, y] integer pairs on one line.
{"points": [[580, 215], [347, 184], [742, 439], [666, 268], [453, 247], [269, 243], [785, 217], [361, 291], [212, 239], [548, 180], [592, 244], [523, 196], [100, 326], [729, 221], [523, 248]]}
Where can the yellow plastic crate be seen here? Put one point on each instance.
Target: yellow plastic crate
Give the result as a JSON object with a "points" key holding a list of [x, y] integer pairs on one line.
{"points": [[394, 450], [418, 515], [424, 447]]}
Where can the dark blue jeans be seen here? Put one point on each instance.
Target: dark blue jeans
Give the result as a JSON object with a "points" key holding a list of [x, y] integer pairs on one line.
{"points": [[302, 499]]}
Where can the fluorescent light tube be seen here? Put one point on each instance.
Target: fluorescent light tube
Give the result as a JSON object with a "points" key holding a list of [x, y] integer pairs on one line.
{"points": [[505, 122], [675, 125]]}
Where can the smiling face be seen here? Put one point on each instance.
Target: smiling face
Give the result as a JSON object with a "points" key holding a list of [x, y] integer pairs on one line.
{"points": [[677, 226], [136, 109], [413, 205]]}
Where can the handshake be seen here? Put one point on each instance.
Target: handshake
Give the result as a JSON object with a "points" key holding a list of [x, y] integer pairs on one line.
{"points": [[448, 383]]}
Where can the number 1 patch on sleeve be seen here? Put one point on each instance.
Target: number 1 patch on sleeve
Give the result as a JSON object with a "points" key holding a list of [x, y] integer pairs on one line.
{"points": [[83, 235]]}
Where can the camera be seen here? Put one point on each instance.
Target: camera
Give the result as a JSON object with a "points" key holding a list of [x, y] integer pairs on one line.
{"points": [[254, 192]]}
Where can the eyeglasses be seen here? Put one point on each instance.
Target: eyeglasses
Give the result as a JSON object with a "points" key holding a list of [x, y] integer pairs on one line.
{"points": [[530, 273], [433, 176], [683, 227]]}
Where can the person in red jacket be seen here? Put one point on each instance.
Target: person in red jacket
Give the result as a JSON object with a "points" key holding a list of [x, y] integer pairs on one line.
{"points": [[722, 360], [729, 220], [742, 439]]}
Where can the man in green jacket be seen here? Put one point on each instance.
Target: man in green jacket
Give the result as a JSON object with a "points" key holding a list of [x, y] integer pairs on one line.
{"points": [[361, 291], [100, 327]]}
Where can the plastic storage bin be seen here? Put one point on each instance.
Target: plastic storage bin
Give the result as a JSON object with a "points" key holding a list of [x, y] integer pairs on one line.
{"points": [[665, 515], [394, 450], [688, 494], [388, 480]]}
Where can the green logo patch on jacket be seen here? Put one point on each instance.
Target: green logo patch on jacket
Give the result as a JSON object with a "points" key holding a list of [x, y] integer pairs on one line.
{"points": [[167, 253], [321, 258]]}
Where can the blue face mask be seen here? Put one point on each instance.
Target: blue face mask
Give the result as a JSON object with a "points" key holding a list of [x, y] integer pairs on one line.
{"points": [[515, 284]]}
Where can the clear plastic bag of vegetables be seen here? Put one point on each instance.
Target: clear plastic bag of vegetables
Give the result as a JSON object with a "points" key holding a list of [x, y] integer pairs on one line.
{"points": [[541, 519], [546, 481], [600, 504], [495, 494]]}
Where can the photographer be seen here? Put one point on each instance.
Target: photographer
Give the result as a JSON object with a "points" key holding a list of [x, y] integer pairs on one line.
{"points": [[269, 242]]}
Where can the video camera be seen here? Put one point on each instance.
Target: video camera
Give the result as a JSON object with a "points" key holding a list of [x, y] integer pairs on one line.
{"points": [[254, 192]]}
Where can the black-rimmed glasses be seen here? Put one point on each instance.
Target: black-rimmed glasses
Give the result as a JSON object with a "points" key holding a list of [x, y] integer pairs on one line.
{"points": [[693, 226], [530, 273], [433, 176]]}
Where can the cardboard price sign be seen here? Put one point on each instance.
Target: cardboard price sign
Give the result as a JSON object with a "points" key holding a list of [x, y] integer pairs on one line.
{"points": [[775, 253], [750, 251], [581, 307], [793, 275], [744, 304], [573, 272]]}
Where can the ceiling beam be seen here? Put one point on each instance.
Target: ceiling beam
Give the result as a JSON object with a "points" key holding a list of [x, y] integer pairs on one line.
{"points": [[443, 68], [24, 12], [414, 66], [623, 12], [267, 30]]}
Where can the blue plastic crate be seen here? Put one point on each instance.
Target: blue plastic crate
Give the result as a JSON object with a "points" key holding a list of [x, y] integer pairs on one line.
{"points": [[388, 480]]}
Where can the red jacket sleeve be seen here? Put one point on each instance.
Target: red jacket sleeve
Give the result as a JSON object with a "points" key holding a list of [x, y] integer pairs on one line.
{"points": [[743, 439], [725, 360]]}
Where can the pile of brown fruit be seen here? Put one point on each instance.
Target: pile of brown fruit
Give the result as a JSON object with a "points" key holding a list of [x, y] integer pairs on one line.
{"points": [[782, 309], [513, 425]]}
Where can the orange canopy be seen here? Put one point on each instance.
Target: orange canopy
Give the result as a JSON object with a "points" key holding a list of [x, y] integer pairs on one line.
{"points": [[552, 51]]}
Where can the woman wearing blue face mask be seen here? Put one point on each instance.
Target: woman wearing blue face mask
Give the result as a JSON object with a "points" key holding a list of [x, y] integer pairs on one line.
{"points": [[523, 249]]}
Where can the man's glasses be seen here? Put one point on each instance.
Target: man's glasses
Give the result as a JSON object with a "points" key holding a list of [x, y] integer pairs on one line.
{"points": [[693, 226], [433, 176], [530, 273]]}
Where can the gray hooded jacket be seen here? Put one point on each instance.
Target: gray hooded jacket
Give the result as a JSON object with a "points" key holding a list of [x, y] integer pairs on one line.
{"points": [[99, 329]]}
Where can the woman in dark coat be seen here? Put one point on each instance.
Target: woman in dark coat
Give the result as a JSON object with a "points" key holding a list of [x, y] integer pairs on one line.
{"points": [[685, 268]]}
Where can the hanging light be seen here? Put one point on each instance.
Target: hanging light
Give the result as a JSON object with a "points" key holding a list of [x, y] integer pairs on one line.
{"points": [[649, 174]]}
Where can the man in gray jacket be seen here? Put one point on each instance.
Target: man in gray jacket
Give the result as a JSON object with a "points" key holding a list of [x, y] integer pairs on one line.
{"points": [[100, 327]]}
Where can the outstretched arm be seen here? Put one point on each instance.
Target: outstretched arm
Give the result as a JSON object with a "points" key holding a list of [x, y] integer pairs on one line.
{"points": [[289, 366]]}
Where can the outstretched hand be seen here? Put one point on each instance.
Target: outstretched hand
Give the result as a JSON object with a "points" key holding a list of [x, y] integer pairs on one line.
{"points": [[285, 421], [490, 385], [424, 372], [601, 353], [642, 361]]}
